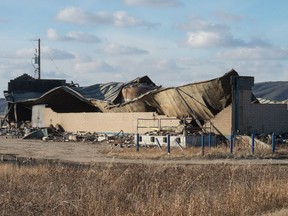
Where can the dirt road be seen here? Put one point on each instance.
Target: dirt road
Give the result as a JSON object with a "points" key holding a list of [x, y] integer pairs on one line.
{"points": [[82, 152]]}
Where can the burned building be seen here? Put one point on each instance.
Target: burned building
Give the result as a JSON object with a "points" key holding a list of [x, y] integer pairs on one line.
{"points": [[218, 105], [22, 93]]}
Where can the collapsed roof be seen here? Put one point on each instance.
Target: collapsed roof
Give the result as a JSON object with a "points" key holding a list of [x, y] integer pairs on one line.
{"points": [[202, 100], [274, 91]]}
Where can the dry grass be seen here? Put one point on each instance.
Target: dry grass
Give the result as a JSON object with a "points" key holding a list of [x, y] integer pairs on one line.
{"points": [[240, 151], [142, 189]]}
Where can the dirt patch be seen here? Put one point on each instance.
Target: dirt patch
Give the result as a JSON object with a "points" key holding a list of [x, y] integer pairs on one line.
{"points": [[88, 152]]}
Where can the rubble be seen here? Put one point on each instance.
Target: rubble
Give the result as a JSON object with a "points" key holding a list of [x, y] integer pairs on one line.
{"points": [[58, 134], [267, 138], [36, 134]]}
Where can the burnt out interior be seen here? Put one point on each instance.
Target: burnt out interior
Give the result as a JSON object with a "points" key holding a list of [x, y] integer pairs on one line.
{"points": [[61, 101], [19, 113]]}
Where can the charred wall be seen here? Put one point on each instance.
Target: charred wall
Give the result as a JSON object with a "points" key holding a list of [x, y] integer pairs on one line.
{"points": [[26, 83]]}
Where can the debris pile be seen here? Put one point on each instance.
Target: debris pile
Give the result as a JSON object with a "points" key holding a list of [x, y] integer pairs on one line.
{"points": [[267, 138], [11, 132], [58, 134]]}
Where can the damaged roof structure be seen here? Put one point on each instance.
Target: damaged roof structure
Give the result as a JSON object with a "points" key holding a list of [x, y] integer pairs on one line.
{"points": [[201, 100], [223, 104]]}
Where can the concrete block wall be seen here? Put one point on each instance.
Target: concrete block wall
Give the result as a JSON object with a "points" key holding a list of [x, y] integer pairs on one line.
{"points": [[266, 118], [105, 122], [222, 122], [253, 117], [244, 110], [261, 118]]}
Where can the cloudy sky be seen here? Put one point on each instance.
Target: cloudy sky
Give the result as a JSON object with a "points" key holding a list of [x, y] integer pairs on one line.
{"points": [[174, 42]]}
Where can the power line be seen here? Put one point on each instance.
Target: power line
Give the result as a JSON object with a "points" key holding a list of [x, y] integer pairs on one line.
{"points": [[52, 60]]}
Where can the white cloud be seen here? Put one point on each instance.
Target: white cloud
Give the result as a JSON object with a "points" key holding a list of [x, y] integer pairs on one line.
{"points": [[154, 3], [202, 39], [54, 74], [123, 50], [122, 19], [196, 23], [229, 17], [83, 37], [24, 53], [157, 69], [52, 34], [93, 67], [254, 53], [119, 18], [203, 34], [15, 68], [205, 39], [165, 64], [46, 52], [79, 16], [56, 54], [191, 62], [21, 53], [261, 70]]}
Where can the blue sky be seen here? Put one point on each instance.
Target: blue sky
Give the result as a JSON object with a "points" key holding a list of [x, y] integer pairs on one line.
{"points": [[174, 42]]}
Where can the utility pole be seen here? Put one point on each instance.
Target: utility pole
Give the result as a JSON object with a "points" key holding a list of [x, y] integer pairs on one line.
{"points": [[39, 65]]}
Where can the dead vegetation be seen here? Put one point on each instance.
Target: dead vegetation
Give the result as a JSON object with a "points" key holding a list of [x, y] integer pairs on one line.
{"points": [[241, 150], [143, 189]]}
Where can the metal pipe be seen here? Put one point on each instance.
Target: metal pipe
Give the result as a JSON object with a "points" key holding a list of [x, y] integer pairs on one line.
{"points": [[137, 142], [273, 143], [253, 143], [168, 144], [202, 144], [210, 139], [231, 143], [158, 144]]}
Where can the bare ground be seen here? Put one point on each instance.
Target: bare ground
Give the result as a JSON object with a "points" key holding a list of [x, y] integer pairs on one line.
{"points": [[103, 152]]}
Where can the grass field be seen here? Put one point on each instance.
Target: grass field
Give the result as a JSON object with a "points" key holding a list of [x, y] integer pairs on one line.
{"points": [[240, 151], [143, 189]]}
